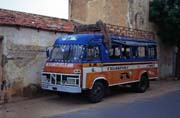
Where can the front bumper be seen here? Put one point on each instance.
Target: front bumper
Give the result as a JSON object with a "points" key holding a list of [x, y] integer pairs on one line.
{"points": [[61, 88]]}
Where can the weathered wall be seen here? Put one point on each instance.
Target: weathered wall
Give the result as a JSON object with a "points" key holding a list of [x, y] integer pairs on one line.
{"points": [[24, 55], [78, 14], [128, 13], [167, 64]]}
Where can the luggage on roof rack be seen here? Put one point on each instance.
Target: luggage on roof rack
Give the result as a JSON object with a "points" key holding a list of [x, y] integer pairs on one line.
{"points": [[109, 29]]}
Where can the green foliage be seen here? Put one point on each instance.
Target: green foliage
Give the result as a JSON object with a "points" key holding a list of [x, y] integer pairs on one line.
{"points": [[166, 15]]}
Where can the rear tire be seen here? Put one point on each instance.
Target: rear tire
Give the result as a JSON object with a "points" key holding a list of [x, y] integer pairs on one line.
{"points": [[97, 92], [142, 85]]}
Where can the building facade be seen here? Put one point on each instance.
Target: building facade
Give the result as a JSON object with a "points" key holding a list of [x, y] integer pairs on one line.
{"points": [[127, 13], [23, 41]]}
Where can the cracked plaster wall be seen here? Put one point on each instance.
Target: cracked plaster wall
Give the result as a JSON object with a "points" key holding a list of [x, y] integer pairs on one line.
{"points": [[24, 55]]}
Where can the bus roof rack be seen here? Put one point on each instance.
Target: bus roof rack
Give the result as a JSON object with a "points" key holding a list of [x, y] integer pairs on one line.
{"points": [[109, 29]]}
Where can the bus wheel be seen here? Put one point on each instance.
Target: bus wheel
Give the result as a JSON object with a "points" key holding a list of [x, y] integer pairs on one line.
{"points": [[142, 85], [97, 92]]}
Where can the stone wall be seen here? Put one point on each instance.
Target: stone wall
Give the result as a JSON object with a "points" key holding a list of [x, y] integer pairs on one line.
{"points": [[24, 55], [128, 13]]}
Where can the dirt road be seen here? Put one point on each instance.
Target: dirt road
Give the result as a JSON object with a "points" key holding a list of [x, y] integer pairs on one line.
{"points": [[51, 105]]}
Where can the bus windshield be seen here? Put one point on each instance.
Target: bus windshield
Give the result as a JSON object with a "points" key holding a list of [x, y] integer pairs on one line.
{"points": [[68, 53]]}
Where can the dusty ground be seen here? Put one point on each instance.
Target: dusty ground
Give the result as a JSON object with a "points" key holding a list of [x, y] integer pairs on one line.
{"points": [[52, 105]]}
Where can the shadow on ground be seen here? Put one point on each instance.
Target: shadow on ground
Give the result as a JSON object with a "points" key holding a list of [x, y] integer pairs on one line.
{"points": [[69, 98]]}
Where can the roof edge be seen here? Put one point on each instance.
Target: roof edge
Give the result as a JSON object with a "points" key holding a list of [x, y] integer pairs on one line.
{"points": [[21, 26], [30, 20]]}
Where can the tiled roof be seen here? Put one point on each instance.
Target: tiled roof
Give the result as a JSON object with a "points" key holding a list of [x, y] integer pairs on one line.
{"points": [[15, 18]]}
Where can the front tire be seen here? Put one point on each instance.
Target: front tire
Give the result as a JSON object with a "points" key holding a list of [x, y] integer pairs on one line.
{"points": [[97, 92]]}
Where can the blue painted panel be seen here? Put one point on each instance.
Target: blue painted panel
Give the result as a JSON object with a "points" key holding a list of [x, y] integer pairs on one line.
{"points": [[78, 39], [97, 39]]}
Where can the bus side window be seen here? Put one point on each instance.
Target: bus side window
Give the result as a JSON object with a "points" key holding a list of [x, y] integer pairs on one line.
{"points": [[117, 52], [152, 52], [93, 52], [114, 52], [125, 52], [141, 52], [134, 52], [111, 52]]}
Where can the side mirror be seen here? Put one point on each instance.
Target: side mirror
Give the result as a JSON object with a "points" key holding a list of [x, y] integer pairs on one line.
{"points": [[47, 53], [48, 50]]}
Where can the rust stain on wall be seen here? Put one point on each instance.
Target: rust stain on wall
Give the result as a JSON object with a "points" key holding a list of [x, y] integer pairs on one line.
{"points": [[9, 88]]}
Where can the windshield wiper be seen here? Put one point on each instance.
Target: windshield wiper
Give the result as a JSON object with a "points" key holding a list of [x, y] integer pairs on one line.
{"points": [[66, 58]]}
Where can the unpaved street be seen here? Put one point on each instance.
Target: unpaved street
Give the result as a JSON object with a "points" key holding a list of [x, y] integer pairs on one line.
{"points": [[54, 105]]}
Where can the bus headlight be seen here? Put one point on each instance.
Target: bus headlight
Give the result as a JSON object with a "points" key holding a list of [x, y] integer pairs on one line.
{"points": [[45, 78], [71, 81]]}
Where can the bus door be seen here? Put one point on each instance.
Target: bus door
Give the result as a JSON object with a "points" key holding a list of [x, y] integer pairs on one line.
{"points": [[139, 55], [119, 69], [126, 70], [92, 67]]}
